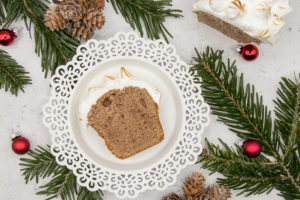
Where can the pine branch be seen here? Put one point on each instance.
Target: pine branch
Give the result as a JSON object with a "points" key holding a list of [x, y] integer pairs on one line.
{"points": [[287, 111], [54, 47], [149, 14], [229, 156], [241, 172], [85, 194], [3, 4], [42, 164], [13, 76], [242, 110], [63, 185]]}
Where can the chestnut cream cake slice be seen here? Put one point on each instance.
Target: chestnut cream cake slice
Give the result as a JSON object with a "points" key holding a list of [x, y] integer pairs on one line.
{"points": [[244, 20], [124, 112]]}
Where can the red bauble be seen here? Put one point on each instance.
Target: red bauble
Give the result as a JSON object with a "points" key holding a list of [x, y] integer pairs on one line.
{"points": [[7, 37], [249, 52], [20, 145], [251, 148]]}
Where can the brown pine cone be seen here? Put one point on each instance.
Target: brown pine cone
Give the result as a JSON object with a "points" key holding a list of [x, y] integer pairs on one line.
{"points": [[81, 31], [171, 196], [217, 192], [54, 20], [204, 197], [94, 18], [73, 10], [96, 4], [194, 186]]}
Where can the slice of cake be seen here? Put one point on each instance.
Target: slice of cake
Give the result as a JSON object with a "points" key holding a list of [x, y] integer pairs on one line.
{"points": [[128, 121], [244, 20], [124, 112]]}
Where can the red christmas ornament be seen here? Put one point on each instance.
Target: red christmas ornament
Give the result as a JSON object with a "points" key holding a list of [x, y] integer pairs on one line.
{"points": [[251, 148], [7, 37], [249, 52], [20, 145]]}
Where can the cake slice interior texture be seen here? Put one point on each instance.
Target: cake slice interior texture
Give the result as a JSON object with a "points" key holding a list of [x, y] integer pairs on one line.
{"points": [[226, 28], [128, 120]]}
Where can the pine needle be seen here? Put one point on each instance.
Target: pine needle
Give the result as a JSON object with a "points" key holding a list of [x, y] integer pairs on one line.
{"points": [[238, 106], [3, 4], [13, 76], [62, 182], [149, 14], [54, 47]]}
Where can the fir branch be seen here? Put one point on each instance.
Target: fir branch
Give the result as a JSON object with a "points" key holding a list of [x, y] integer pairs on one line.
{"points": [[13, 76], [240, 109], [63, 185], [41, 164], [250, 186], [240, 171], [54, 47], [287, 111], [243, 111], [85, 194], [230, 156], [3, 4], [148, 13]]}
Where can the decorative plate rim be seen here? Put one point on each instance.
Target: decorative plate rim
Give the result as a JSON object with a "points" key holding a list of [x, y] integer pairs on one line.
{"points": [[70, 104], [88, 172]]}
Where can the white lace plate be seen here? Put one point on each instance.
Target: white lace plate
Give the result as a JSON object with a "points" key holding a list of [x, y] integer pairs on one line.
{"points": [[182, 111]]}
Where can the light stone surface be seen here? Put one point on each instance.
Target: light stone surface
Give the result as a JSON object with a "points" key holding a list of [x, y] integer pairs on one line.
{"points": [[23, 114]]}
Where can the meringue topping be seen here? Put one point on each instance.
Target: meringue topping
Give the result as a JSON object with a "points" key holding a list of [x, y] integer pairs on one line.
{"points": [[261, 19]]}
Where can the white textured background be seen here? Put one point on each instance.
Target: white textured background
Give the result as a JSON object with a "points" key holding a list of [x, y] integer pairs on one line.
{"points": [[22, 115]]}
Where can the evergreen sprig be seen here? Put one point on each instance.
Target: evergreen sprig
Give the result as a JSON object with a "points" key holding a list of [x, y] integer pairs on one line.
{"points": [[13, 76], [239, 107], [3, 4], [149, 14], [54, 47], [42, 164], [57, 47]]}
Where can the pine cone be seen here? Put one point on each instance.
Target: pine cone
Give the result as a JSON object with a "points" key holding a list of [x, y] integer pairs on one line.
{"points": [[54, 20], [217, 192], [194, 186], [94, 19], [171, 196], [96, 4], [73, 10], [81, 31], [204, 197]]}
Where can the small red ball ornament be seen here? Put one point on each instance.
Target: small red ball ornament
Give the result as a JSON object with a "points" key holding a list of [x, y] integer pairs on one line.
{"points": [[249, 52], [251, 148], [20, 145], [7, 37]]}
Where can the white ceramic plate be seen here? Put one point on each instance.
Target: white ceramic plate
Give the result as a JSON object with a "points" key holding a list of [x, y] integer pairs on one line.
{"points": [[182, 111]]}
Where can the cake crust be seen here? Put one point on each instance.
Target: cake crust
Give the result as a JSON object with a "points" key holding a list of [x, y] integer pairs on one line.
{"points": [[127, 120]]}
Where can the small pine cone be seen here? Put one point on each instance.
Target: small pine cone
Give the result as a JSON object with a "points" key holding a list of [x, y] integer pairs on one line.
{"points": [[73, 9], [171, 196], [194, 186], [96, 4], [81, 31], [218, 192], [54, 20], [94, 19], [204, 197]]}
